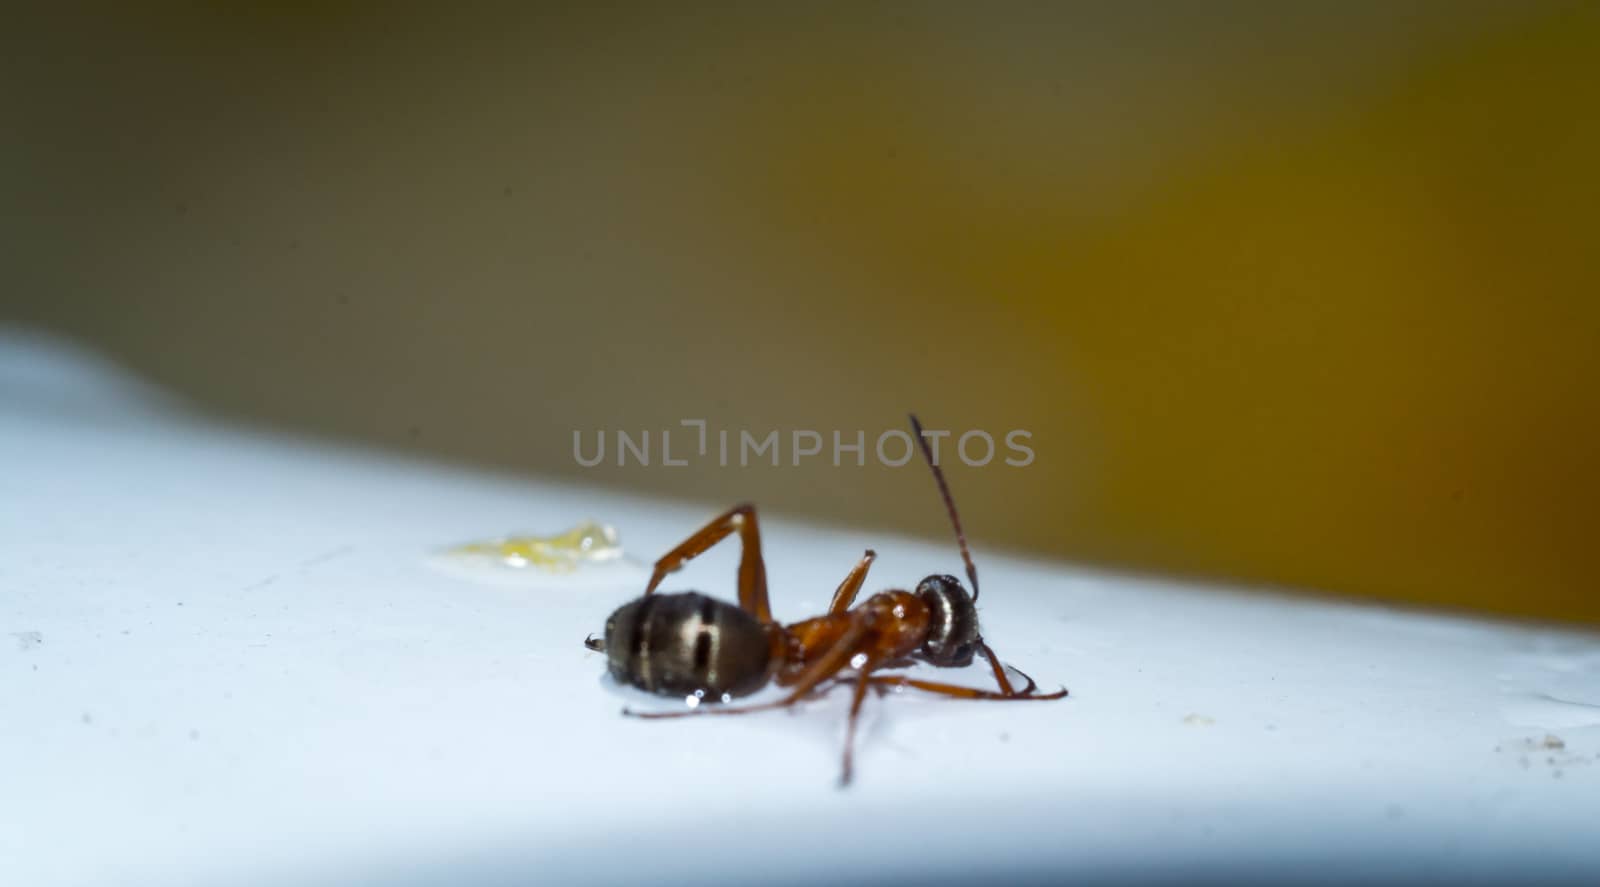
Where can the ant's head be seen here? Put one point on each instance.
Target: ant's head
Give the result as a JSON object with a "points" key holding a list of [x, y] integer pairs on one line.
{"points": [[953, 628]]}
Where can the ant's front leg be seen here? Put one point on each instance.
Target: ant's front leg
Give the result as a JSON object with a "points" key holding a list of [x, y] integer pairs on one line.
{"points": [[999, 670], [1000, 678], [887, 681], [752, 569], [863, 681]]}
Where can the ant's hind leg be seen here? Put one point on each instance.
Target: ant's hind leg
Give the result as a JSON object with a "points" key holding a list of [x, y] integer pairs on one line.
{"points": [[752, 569], [851, 586], [708, 710], [811, 695]]}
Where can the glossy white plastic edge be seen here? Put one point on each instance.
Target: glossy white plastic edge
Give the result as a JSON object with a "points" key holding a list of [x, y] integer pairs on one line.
{"points": [[225, 659]]}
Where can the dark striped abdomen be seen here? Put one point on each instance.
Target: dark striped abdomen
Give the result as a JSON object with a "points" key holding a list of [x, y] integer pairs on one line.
{"points": [[676, 644]]}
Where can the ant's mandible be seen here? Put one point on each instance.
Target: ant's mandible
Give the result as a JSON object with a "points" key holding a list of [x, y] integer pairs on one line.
{"points": [[689, 644]]}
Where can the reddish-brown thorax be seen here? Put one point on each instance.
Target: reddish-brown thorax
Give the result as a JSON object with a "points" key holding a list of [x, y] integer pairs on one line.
{"points": [[892, 625]]}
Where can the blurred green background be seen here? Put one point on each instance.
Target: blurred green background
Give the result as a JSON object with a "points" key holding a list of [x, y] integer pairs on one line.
{"points": [[1293, 294]]}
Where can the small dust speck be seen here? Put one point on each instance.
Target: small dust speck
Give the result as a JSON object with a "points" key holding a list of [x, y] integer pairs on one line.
{"points": [[27, 640], [1555, 774], [87, 718], [1199, 720], [1394, 811], [1005, 737], [194, 735]]}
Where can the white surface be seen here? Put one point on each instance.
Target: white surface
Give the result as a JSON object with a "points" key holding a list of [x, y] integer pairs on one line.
{"points": [[224, 660]]}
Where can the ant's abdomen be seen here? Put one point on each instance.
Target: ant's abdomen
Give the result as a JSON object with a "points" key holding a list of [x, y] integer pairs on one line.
{"points": [[677, 644]]}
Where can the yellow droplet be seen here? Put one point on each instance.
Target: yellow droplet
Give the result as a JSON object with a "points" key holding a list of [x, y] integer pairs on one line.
{"points": [[588, 542]]}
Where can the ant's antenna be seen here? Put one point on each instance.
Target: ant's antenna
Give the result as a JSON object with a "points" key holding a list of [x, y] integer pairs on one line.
{"points": [[949, 504]]}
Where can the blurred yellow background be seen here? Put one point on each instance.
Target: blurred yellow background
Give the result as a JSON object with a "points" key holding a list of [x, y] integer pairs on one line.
{"points": [[1298, 295]]}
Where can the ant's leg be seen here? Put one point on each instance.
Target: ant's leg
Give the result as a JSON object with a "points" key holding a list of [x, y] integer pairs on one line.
{"points": [[826, 666], [1000, 674], [958, 691], [1028, 690], [850, 730], [851, 586], [908, 663], [752, 570], [999, 670], [709, 710]]}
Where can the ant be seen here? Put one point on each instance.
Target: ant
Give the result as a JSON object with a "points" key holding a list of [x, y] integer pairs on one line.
{"points": [[688, 644]]}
